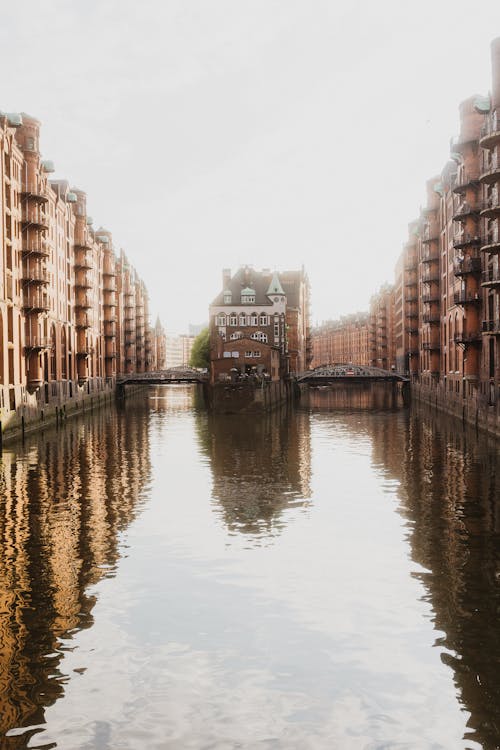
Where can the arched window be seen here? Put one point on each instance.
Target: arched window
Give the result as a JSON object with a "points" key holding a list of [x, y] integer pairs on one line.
{"points": [[236, 335], [254, 319], [233, 319], [263, 319], [243, 319], [221, 320], [259, 336]]}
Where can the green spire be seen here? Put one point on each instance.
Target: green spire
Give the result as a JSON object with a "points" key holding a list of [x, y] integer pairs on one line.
{"points": [[275, 286]]}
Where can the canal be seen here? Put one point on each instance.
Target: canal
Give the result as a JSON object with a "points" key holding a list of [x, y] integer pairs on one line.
{"points": [[320, 577]]}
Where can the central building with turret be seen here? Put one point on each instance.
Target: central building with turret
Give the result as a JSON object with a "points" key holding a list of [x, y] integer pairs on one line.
{"points": [[259, 324]]}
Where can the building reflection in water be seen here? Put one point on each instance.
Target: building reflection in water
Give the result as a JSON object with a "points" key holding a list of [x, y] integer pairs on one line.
{"points": [[352, 396], [450, 496], [261, 466], [64, 499]]}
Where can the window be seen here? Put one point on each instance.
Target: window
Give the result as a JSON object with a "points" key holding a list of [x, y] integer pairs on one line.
{"points": [[256, 353], [236, 335], [221, 320], [248, 354], [233, 320], [263, 319], [243, 320], [254, 320], [259, 336], [227, 298]]}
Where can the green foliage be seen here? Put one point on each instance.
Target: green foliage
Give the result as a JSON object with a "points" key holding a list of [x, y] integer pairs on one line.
{"points": [[200, 353]]}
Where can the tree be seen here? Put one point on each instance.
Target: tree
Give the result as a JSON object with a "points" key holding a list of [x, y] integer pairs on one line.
{"points": [[200, 353]]}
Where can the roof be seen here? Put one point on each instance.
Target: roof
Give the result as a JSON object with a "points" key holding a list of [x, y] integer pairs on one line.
{"points": [[249, 281], [275, 285]]}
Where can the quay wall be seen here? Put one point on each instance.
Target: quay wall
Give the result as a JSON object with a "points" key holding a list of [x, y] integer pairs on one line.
{"points": [[52, 404], [473, 409], [248, 398]]}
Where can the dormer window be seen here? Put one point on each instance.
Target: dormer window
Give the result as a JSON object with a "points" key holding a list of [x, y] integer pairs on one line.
{"points": [[227, 297], [248, 296]]}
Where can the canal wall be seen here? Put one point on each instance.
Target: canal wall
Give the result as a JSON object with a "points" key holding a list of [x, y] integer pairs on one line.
{"points": [[471, 408], [248, 398], [51, 406]]}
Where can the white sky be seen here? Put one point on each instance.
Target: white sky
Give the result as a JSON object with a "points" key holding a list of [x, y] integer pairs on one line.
{"points": [[210, 133]]}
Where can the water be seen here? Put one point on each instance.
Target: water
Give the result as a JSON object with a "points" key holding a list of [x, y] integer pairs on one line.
{"points": [[322, 578]]}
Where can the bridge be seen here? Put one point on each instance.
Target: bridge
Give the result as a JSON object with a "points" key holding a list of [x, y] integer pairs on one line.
{"points": [[163, 377], [349, 373]]}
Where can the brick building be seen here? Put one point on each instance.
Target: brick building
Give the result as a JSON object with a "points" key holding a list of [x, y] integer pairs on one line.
{"points": [[267, 314], [73, 314], [342, 341]]}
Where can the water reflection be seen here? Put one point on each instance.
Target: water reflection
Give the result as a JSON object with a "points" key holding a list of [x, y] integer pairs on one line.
{"points": [[260, 466], [64, 499], [308, 634], [352, 396]]}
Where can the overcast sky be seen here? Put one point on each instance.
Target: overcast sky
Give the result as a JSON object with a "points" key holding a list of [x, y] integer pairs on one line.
{"points": [[211, 133]]}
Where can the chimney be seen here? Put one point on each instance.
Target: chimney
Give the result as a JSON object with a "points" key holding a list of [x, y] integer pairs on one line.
{"points": [[495, 74], [226, 277]]}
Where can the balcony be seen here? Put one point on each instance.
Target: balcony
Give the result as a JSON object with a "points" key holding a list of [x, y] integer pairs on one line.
{"points": [[466, 338], [35, 301], [431, 236], [464, 180], [83, 302], [411, 298], [83, 320], [35, 273], [109, 299], [490, 132], [109, 284], [491, 242], [109, 329], [411, 282], [83, 280], [33, 219], [490, 172], [33, 191], [430, 298], [108, 270], [466, 238], [38, 247], [464, 266], [411, 314], [412, 331], [490, 206], [35, 342], [491, 277], [83, 246], [464, 209], [429, 257], [431, 318], [491, 326], [431, 346], [467, 298], [83, 258], [431, 277]]}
